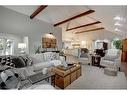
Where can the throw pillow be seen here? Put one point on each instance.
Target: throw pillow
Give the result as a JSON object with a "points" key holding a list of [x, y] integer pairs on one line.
{"points": [[48, 56], [37, 58], [42, 65], [8, 79], [18, 62], [27, 59]]}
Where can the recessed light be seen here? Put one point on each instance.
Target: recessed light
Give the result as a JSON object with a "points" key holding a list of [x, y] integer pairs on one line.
{"points": [[117, 18], [118, 24], [116, 29]]}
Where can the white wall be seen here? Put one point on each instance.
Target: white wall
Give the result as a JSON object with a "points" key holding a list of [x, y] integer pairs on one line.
{"points": [[12, 22]]}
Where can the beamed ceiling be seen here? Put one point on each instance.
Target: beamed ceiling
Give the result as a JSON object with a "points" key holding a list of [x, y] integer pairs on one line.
{"points": [[76, 19]]}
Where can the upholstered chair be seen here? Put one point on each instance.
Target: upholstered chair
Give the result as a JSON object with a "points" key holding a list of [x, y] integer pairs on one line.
{"points": [[111, 59], [84, 57]]}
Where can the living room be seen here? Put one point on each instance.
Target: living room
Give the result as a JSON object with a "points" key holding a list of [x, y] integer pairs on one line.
{"points": [[63, 47]]}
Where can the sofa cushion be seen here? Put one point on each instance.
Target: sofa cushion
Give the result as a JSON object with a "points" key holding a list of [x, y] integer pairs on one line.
{"points": [[110, 57], [112, 52], [41, 65], [107, 63], [37, 58]]}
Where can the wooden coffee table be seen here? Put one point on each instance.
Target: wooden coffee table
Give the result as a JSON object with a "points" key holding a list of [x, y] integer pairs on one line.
{"points": [[65, 76]]}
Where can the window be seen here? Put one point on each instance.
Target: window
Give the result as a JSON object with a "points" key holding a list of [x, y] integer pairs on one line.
{"points": [[6, 46]]}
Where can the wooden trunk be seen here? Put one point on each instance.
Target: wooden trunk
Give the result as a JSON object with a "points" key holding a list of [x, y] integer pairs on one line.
{"points": [[78, 73], [65, 78], [73, 76], [62, 82]]}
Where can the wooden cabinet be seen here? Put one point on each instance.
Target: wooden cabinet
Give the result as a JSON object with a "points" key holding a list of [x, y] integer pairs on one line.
{"points": [[124, 57], [124, 51], [124, 45]]}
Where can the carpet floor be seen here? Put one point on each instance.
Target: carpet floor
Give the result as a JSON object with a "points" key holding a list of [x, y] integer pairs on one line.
{"points": [[94, 78]]}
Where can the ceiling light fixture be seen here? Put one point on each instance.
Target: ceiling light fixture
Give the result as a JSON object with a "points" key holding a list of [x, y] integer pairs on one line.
{"points": [[118, 18], [50, 36], [116, 29], [118, 24]]}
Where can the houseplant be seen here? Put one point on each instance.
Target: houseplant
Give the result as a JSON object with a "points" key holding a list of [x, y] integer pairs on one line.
{"points": [[117, 44]]}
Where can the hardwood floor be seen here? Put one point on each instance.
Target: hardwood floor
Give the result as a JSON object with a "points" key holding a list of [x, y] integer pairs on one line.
{"points": [[124, 68]]}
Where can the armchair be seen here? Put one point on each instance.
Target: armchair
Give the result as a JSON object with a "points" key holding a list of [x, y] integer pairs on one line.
{"points": [[84, 56], [111, 59]]}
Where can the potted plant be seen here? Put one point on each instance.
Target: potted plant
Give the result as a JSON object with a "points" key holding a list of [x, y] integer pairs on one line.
{"points": [[117, 44], [38, 49]]}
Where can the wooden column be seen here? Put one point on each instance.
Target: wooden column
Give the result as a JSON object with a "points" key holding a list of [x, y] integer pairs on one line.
{"points": [[124, 51]]}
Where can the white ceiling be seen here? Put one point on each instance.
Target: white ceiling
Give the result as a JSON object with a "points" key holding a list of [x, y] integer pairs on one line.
{"points": [[54, 14]]}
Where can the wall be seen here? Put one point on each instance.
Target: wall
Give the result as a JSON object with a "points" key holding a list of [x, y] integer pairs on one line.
{"points": [[12, 22]]}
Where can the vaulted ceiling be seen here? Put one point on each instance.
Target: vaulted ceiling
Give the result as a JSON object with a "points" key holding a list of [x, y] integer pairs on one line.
{"points": [[101, 20]]}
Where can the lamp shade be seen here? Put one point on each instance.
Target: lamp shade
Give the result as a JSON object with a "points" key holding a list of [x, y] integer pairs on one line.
{"points": [[21, 45]]}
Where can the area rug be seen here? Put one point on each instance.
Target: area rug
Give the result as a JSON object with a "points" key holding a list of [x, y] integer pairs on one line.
{"points": [[94, 78]]}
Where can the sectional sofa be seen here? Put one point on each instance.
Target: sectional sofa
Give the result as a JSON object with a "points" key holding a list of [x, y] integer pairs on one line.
{"points": [[27, 65]]}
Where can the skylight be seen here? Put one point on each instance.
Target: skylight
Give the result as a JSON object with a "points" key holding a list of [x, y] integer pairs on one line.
{"points": [[116, 29], [118, 18]]}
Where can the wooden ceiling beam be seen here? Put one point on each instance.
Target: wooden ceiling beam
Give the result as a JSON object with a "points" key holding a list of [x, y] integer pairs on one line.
{"points": [[38, 10], [89, 24], [74, 17], [101, 28]]}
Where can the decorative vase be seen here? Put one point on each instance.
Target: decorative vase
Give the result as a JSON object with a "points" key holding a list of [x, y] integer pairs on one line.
{"points": [[45, 71]]}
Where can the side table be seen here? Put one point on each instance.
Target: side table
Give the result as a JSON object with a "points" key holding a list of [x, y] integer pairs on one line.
{"points": [[96, 60]]}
